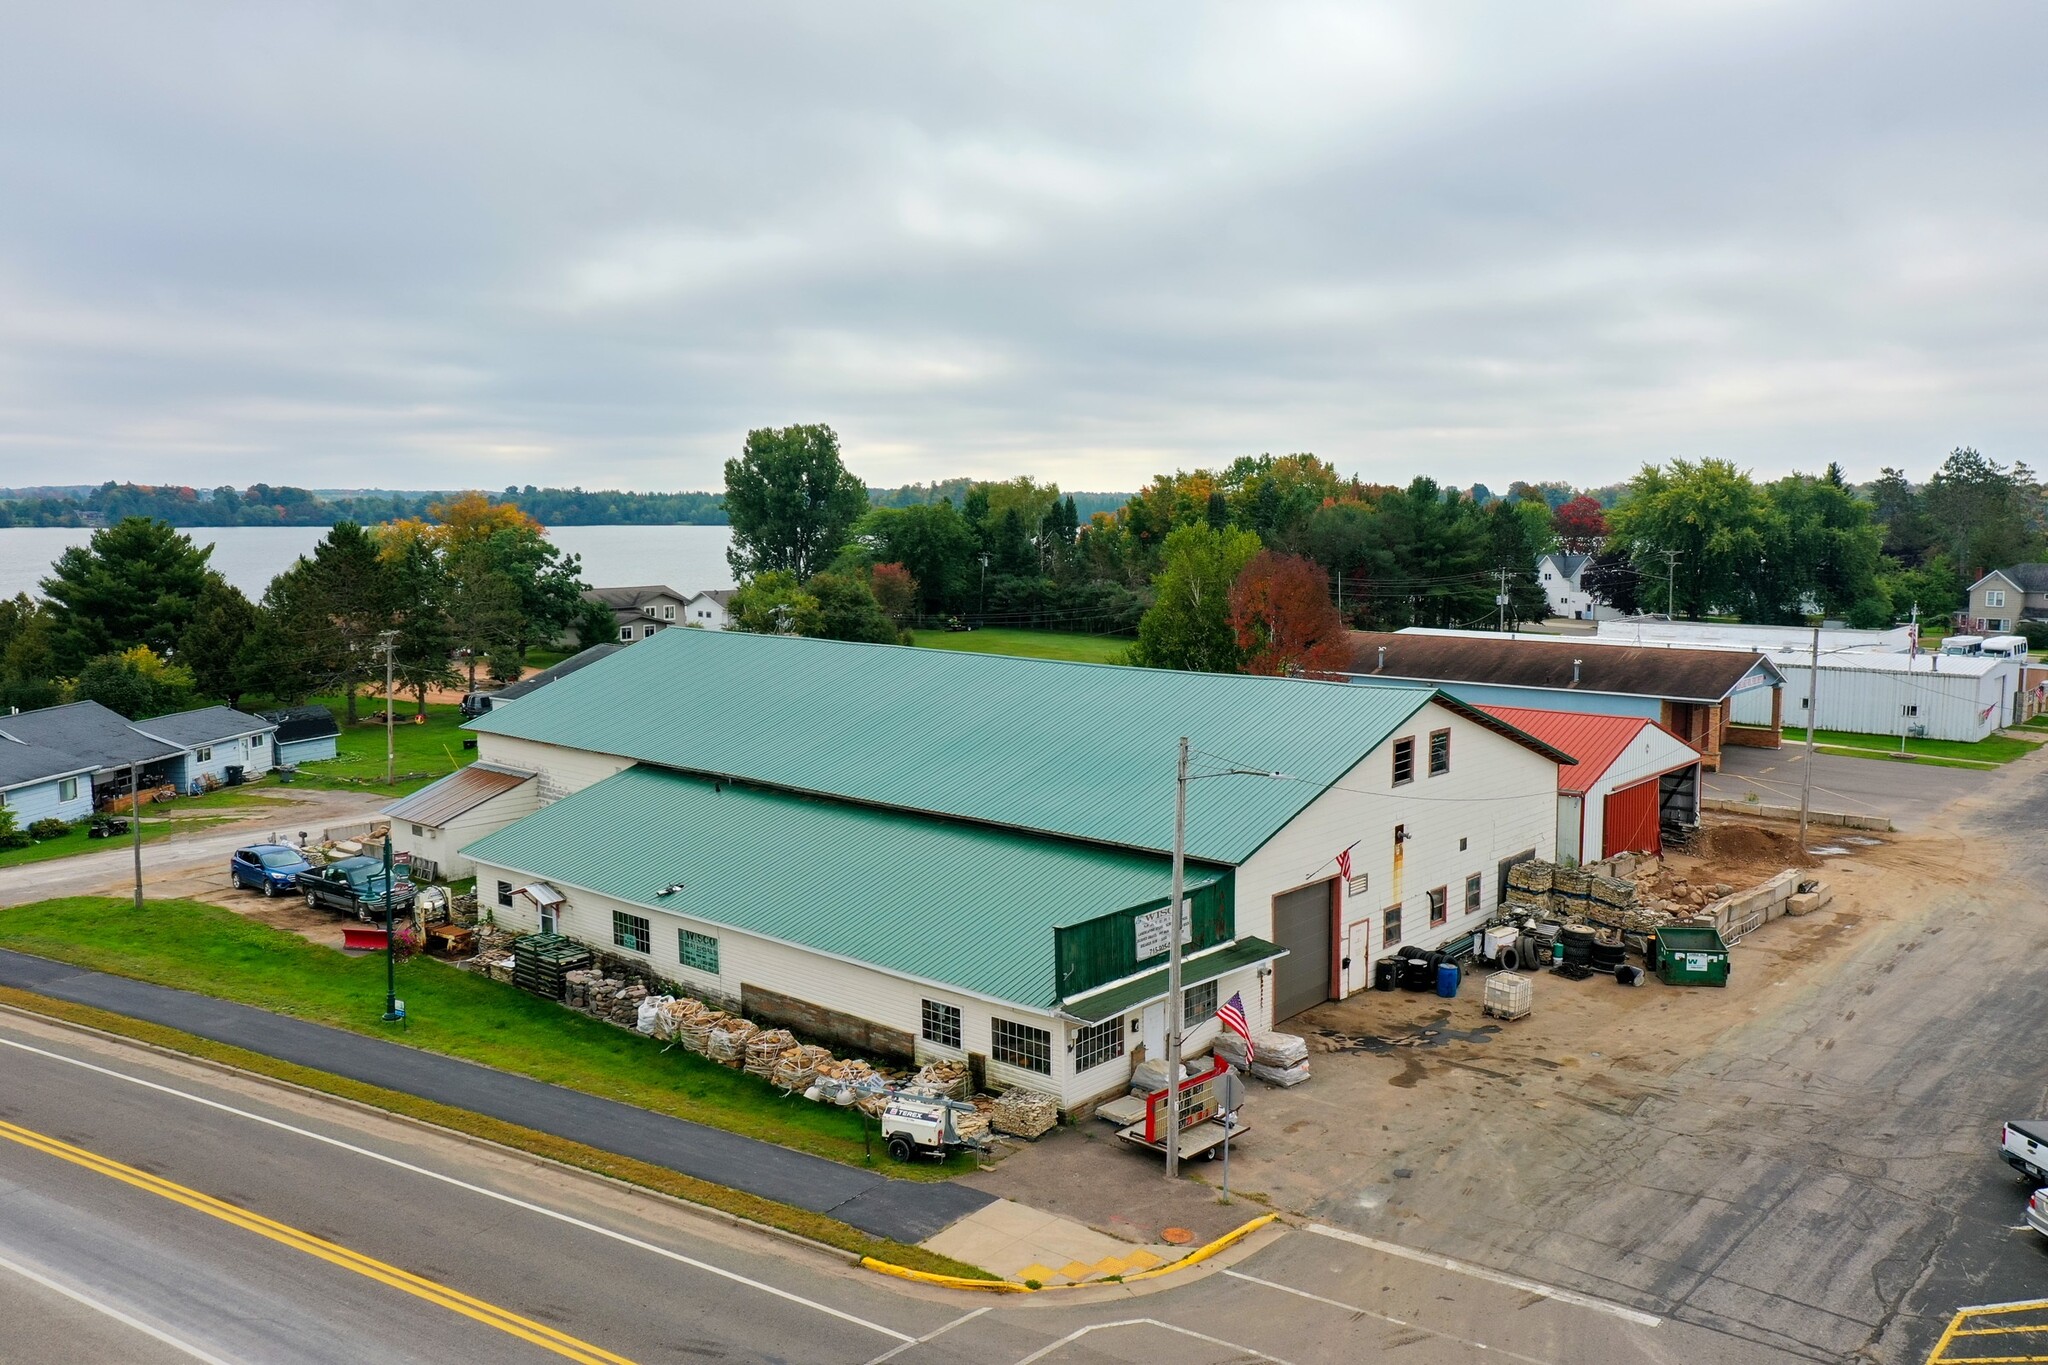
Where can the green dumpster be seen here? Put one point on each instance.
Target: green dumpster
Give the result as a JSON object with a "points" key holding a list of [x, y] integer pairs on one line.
{"points": [[1691, 955]]}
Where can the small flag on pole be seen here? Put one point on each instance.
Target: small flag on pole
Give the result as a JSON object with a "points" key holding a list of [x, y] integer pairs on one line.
{"points": [[1231, 1014], [1344, 864]]}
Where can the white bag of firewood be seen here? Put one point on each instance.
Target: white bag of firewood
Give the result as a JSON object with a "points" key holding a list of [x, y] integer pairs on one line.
{"points": [[728, 1043], [1275, 1049], [697, 1032], [797, 1067], [648, 1016], [1024, 1113], [1149, 1075], [765, 1048]]}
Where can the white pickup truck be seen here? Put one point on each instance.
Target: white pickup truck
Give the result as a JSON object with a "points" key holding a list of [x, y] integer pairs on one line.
{"points": [[2024, 1146]]}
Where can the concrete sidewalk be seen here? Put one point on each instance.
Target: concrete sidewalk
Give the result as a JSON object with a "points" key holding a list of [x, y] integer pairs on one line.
{"points": [[907, 1211]]}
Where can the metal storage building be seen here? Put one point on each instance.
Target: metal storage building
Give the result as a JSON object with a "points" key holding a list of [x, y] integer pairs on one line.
{"points": [[1931, 696], [305, 734], [913, 774], [1633, 780]]}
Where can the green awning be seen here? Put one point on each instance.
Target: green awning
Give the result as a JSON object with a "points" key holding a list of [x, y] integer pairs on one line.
{"points": [[1246, 952]]}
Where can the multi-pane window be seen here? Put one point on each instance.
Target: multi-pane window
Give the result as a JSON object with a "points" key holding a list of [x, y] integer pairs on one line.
{"points": [[550, 918], [1390, 926], [697, 950], [631, 931], [1472, 884], [203, 754], [1439, 752], [505, 894], [1197, 1004], [1020, 1045], [941, 1023], [625, 632], [1994, 597], [1099, 1043], [67, 790], [1404, 761], [1439, 906]]}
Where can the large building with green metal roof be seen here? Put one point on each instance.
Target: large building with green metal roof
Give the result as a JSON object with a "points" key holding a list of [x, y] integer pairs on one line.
{"points": [[932, 853]]}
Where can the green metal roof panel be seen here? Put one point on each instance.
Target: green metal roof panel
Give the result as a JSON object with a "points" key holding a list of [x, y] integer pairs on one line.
{"points": [[1083, 750], [1114, 1000], [947, 902]]}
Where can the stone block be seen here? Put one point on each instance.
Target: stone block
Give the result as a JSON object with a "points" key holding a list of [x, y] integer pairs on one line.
{"points": [[1803, 903]]}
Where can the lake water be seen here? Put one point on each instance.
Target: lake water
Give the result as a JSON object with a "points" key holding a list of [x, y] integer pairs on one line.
{"points": [[688, 558]]}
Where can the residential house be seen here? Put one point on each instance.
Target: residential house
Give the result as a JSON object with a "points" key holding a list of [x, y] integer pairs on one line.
{"points": [[484, 701], [431, 826], [39, 783], [638, 612], [710, 609], [925, 853], [305, 734], [1690, 692], [219, 743], [1560, 575], [2003, 598]]}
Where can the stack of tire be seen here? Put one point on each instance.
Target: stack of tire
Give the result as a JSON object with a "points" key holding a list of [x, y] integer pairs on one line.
{"points": [[1579, 942], [1418, 970]]}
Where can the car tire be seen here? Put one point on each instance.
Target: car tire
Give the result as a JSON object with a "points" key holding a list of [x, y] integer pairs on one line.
{"points": [[900, 1148], [311, 904], [270, 888]]}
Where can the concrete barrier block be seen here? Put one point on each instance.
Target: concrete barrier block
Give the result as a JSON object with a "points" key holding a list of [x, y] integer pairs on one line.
{"points": [[1802, 903]]}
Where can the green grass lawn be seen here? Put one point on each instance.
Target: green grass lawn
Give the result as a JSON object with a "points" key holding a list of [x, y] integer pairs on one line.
{"points": [[1984, 753], [546, 658], [424, 752], [1030, 644], [203, 947]]}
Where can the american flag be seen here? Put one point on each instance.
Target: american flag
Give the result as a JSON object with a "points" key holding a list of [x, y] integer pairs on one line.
{"points": [[1231, 1014], [1344, 864]]}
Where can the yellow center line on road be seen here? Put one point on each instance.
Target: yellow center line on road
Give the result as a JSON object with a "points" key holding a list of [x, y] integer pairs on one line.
{"points": [[454, 1300]]}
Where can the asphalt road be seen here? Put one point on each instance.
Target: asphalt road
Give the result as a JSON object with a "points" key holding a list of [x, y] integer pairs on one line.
{"points": [[1912, 794], [155, 1211], [111, 869], [906, 1210]]}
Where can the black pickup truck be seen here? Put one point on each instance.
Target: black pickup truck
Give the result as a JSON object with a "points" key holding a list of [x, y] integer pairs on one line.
{"points": [[355, 886]]}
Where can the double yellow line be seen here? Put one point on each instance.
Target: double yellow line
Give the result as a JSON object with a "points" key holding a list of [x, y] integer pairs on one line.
{"points": [[455, 1301]]}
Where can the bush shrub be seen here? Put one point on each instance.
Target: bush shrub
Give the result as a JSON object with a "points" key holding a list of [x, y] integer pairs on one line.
{"points": [[49, 829], [10, 837]]}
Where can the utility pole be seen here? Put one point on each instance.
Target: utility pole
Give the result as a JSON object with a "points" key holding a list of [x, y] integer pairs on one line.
{"points": [[391, 1014], [1670, 583], [1500, 599], [981, 603], [1912, 657], [135, 793], [388, 642], [1812, 724], [1173, 1000]]}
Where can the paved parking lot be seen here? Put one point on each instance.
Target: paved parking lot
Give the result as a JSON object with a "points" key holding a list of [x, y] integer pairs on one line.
{"points": [[1911, 794]]}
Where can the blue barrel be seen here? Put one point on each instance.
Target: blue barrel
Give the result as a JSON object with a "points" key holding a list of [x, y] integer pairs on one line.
{"points": [[1447, 980]]}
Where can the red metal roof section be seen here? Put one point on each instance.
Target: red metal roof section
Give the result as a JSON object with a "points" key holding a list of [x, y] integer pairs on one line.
{"points": [[1595, 741]]}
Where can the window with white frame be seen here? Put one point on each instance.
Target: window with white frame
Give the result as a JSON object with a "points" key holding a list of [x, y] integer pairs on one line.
{"points": [[668, 613], [67, 790], [696, 950], [1197, 1004], [941, 1023], [1994, 597], [203, 754], [1099, 1043], [1390, 926], [1440, 905], [625, 632], [631, 931], [1021, 1046], [505, 894], [550, 917], [1439, 752]]}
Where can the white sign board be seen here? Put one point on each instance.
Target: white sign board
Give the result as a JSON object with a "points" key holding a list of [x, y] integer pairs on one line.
{"points": [[1695, 962], [1152, 930]]}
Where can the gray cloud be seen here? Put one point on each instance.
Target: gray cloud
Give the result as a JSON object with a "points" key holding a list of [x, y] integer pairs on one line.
{"points": [[498, 243]]}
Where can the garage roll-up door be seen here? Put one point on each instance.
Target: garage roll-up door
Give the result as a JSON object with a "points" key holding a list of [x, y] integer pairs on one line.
{"points": [[1631, 821], [1301, 924]]}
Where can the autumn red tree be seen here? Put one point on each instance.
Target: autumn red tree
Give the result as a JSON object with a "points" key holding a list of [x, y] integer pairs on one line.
{"points": [[1580, 524], [1280, 608], [896, 590]]}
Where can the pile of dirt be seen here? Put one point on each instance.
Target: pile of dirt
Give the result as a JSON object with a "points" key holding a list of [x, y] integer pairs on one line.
{"points": [[1750, 846]]}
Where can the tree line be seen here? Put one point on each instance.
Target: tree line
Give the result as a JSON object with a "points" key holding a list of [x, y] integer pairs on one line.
{"points": [[265, 504], [139, 621], [1255, 565]]}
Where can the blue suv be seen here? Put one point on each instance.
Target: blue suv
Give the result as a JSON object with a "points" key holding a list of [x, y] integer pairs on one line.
{"points": [[269, 868]]}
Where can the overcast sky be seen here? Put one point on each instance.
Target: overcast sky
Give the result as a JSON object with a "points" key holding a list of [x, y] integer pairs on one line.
{"points": [[434, 245]]}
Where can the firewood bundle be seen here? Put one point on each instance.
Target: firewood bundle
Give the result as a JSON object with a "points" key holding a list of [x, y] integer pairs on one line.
{"points": [[1024, 1113], [765, 1049]]}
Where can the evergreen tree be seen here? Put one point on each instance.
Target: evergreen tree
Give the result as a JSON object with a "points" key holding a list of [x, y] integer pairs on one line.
{"points": [[136, 583], [216, 646]]}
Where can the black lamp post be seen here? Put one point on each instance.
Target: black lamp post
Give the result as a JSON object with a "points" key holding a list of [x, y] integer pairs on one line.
{"points": [[392, 1014]]}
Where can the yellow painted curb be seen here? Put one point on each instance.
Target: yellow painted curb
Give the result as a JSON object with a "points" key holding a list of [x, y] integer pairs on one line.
{"points": [[902, 1272], [1195, 1257]]}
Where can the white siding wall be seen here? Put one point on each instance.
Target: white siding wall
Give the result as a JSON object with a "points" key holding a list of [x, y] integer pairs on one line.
{"points": [[1654, 751], [252, 753], [863, 992], [1499, 797], [1869, 701], [562, 771], [443, 847]]}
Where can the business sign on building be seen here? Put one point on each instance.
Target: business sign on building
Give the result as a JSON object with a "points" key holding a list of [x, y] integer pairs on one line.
{"points": [[1152, 930]]}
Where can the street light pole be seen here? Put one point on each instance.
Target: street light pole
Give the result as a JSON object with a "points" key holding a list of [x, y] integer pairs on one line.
{"points": [[135, 795], [1173, 1000], [1812, 724], [390, 941]]}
